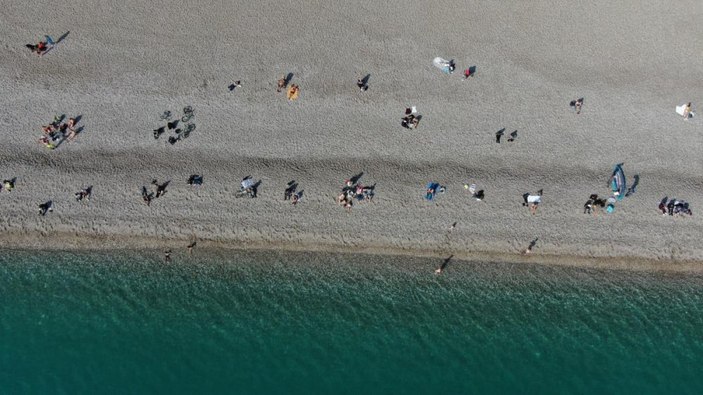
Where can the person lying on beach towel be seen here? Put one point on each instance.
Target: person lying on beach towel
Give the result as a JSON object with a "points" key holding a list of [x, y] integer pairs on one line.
{"points": [[293, 92]]}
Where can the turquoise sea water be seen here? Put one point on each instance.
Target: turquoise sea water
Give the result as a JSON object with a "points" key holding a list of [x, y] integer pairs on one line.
{"points": [[267, 322]]}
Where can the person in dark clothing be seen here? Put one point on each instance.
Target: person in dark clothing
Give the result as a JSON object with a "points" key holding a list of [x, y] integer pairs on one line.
{"points": [[195, 180]]}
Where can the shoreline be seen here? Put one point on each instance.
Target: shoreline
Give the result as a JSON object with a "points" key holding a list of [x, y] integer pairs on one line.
{"points": [[33, 241], [527, 72]]}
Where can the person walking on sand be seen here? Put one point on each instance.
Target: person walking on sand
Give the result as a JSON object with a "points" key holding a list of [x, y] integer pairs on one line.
{"points": [[529, 248], [45, 207], [236, 84], [361, 85], [167, 255]]}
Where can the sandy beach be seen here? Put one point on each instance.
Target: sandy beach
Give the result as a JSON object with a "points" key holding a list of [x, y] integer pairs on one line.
{"points": [[122, 64]]}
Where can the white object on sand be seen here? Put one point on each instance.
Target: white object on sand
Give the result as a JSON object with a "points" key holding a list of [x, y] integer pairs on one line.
{"points": [[441, 63], [536, 199], [680, 110]]}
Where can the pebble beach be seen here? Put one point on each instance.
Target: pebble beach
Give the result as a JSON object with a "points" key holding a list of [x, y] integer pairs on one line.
{"points": [[120, 65]]}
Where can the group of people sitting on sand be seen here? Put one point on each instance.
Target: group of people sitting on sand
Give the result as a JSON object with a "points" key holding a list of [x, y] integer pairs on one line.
{"points": [[292, 91], [354, 190], [57, 131], [84, 194], [411, 120], [674, 207], [148, 196], [593, 203]]}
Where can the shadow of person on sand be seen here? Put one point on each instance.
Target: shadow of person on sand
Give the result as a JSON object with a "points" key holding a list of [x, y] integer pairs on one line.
{"points": [[63, 37], [444, 264], [292, 187], [356, 178]]}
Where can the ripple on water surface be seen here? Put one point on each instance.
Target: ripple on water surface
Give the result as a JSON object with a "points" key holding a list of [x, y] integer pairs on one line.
{"points": [[260, 321]]}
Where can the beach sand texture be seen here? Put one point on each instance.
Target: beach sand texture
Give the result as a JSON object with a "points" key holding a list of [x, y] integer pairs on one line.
{"points": [[125, 62]]}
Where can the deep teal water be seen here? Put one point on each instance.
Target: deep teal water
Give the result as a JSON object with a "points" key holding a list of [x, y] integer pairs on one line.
{"points": [[266, 322]]}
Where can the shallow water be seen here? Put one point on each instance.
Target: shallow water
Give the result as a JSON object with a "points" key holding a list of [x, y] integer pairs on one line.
{"points": [[270, 322]]}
